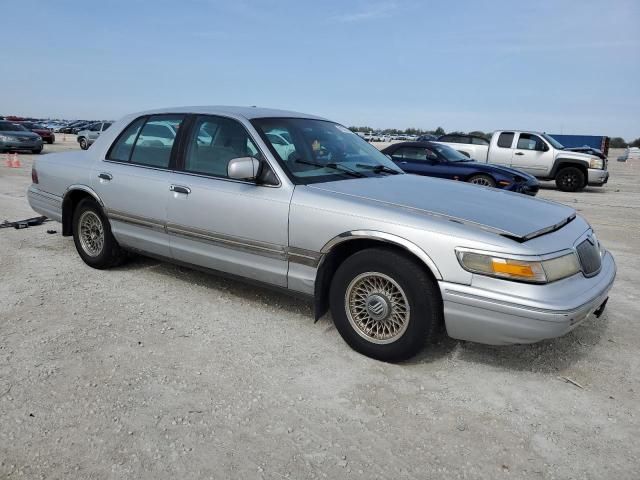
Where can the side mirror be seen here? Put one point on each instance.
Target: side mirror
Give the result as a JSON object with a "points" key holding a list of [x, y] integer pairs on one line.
{"points": [[243, 168], [545, 147], [388, 156]]}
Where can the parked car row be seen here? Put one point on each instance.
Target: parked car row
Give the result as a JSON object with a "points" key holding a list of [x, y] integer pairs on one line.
{"points": [[300, 203], [536, 153]]}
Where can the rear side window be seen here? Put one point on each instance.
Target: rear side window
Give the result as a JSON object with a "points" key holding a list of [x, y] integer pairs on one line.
{"points": [[505, 139], [121, 150], [155, 141]]}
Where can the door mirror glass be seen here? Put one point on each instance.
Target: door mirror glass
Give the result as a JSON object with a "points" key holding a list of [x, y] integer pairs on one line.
{"points": [[544, 147], [243, 168]]}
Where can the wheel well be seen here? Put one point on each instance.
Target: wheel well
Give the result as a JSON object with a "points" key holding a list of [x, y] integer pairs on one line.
{"points": [[579, 166], [69, 204], [339, 254]]}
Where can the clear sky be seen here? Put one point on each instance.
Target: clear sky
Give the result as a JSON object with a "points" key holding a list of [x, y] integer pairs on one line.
{"points": [[559, 66]]}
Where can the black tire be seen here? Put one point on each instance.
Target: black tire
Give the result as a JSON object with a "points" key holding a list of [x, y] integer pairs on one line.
{"points": [[110, 254], [50, 141], [570, 179], [481, 179], [83, 143], [425, 314], [37, 151]]}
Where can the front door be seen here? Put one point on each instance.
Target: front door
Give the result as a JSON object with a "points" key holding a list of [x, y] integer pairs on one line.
{"points": [[530, 154], [133, 182], [213, 221]]}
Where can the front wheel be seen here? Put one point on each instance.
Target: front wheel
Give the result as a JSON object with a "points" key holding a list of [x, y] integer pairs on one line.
{"points": [[92, 236], [484, 180], [570, 179], [37, 151], [384, 304], [83, 143]]}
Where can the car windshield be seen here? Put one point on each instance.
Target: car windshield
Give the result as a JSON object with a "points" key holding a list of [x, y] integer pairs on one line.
{"points": [[320, 151], [450, 154], [556, 144], [11, 127]]}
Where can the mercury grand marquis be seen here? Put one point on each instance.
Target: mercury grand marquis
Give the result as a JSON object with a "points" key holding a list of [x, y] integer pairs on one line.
{"points": [[299, 202]]}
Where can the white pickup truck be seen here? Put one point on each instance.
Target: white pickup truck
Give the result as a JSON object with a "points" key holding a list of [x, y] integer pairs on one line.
{"points": [[534, 153]]}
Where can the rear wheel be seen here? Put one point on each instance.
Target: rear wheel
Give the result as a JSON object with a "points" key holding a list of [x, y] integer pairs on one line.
{"points": [[83, 143], [570, 179], [384, 304], [484, 180], [93, 238]]}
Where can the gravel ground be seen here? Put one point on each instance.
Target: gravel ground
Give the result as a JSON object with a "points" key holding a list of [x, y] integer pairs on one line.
{"points": [[156, 371]]}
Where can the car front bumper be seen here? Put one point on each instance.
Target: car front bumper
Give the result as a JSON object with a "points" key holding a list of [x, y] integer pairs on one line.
{"points": [[21, 145], [597, 177], [494, 317]]}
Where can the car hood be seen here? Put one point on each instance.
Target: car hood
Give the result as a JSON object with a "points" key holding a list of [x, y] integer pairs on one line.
{"points": [[515, 216], [13, 133]]}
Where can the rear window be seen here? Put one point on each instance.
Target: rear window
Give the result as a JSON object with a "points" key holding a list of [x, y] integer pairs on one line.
{"points": [[505, 139]]}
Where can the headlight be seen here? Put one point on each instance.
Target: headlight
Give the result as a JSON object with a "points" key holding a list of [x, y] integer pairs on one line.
{"points": [[7, 138], [596, 163], [536, 271]]}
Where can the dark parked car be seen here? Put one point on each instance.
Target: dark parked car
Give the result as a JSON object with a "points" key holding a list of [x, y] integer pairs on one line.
{"points": [[46, 134], [435, 160], [15, 137], [427, 137]]}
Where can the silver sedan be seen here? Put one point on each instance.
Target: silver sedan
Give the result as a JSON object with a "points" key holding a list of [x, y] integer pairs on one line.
{"points": [[301, 203]]}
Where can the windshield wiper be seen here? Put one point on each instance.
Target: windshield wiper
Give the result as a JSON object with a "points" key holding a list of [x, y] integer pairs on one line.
{"points": [[333, 166], [378, 168]]}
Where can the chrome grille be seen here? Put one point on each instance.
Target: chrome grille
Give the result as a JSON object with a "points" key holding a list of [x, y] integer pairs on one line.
{"points": [[589, 255]]}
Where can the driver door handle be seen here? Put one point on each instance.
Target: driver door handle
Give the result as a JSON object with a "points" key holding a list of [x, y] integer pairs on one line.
{"points": [[180, 189], [105, 176], [519, 153]]}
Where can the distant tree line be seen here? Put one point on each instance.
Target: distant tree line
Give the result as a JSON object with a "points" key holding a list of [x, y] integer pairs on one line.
{"points": [[614, 142]]}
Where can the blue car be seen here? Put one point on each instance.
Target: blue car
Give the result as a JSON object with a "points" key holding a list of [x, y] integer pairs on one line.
{"points": [[435, 160]]}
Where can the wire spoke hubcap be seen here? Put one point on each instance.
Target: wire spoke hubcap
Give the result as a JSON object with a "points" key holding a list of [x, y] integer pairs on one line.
{"points": [[91, 233], [481, 181], [377, 307]]}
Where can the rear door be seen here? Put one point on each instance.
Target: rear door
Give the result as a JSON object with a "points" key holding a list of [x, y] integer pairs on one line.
{"points": [[501, 149], [238, 227], [133, 182], [531, 154]]}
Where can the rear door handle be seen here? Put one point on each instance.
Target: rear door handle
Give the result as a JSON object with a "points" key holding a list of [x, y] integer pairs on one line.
{"points": [[180, 189], [519, 153], [105, 176]]}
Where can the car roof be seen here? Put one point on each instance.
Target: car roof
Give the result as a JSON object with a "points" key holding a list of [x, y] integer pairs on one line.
{"points": [[248, 113]]}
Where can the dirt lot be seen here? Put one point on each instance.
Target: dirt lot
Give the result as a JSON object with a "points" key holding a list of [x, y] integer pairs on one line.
{"points": [[156, 371]]}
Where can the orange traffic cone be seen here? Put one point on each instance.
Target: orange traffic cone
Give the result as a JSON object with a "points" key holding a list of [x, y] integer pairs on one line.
{"points": [[16, 161], [8, 161]]}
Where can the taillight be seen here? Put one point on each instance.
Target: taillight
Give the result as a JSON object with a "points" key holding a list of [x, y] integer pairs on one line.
{"points": [[34, 175]]}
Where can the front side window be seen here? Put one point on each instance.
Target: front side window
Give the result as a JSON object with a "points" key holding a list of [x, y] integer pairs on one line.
{"points": [[313, 151], [214, 141], [527, 141], [416, 154], [505, 139]]}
